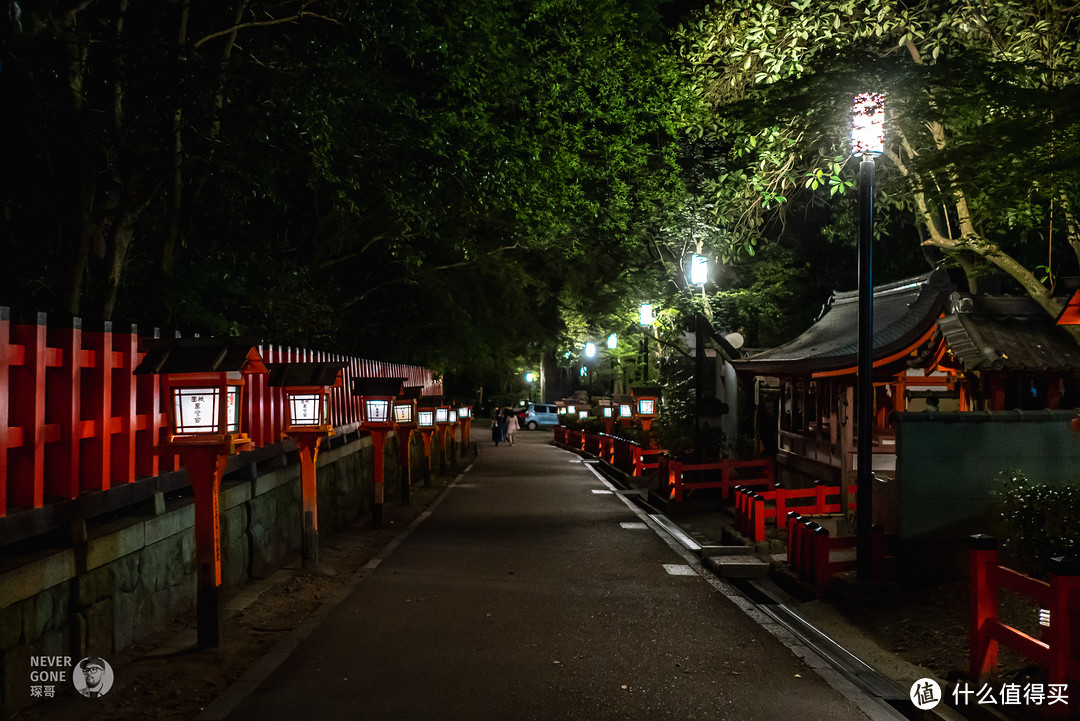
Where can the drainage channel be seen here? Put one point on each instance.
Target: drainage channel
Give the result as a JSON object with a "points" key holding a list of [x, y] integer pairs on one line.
{"points": [[861, 674]]}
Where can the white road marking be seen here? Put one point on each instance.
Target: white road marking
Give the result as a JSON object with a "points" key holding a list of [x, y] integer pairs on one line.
{"points": [[600, 490], [679, 569], [634, 526]]}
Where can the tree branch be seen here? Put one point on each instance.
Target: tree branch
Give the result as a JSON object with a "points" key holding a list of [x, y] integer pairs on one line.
{"points": [[301, 13]]}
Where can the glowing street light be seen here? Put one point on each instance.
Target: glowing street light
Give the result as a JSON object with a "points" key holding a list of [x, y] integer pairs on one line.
{"points": [[867, 141], [645, 314], [590, 350], [612, 341], [699, 269]]}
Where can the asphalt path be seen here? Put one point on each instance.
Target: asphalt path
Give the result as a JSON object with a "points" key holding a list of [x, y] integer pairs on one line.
{"points": [[533, 591]]}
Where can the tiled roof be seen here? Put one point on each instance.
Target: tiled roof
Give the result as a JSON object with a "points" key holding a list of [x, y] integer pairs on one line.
{"points": [[903, 312], [1007, 333]]}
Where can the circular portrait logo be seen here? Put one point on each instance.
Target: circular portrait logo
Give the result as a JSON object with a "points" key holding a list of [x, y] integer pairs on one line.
{"points": [[93, 677], [925, 694]]}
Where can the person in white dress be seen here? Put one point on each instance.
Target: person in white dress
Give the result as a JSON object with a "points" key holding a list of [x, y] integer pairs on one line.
{"points": [[511, 427]]}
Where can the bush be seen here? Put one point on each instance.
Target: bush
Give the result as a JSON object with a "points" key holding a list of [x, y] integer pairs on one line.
{"points": [[1041, 521]]}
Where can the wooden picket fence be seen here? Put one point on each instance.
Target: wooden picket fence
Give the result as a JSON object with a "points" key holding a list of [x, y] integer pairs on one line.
{"points": [[74, 420]]}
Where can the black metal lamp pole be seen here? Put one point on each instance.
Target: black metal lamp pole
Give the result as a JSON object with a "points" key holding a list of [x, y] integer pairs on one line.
{"points": [[864, 478], [867, 140]]}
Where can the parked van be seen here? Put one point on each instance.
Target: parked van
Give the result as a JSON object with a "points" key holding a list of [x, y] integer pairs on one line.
{"points": [[539, 415]]}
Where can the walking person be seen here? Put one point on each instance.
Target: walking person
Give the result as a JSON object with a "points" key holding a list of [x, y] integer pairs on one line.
{"points": [[496, 427], [504, 420], [512, 426]]}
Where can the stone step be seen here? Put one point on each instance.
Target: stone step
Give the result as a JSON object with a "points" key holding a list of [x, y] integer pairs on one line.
{"points": [[737, 566]]}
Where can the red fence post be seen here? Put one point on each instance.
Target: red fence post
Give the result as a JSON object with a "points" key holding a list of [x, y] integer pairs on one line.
{"points": [[822, 547], [1064, 579], [792, 545], [982, 557], [758, 517], [806, 549], [781, 504], [62, 407], [125, 357], [820, 491], [26, 437], [96, 454]]}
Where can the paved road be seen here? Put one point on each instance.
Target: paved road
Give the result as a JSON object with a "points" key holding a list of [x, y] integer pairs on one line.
{"points": [[534, 592]]}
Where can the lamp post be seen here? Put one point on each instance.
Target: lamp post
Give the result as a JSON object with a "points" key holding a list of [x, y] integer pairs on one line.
{"points": [[590, 354], [699, 276], [405, 421], [612, 344], [465, 417], [204, 381], [645, 319], [442, 421], [307, 421], [377, 397], [425, 421], [867, 141]]}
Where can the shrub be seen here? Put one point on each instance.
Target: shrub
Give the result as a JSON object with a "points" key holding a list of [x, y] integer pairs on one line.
{"points": [[1041, 521]]}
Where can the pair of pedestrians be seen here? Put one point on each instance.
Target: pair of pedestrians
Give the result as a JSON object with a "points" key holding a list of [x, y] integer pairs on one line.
{"points": [[504, 425]]}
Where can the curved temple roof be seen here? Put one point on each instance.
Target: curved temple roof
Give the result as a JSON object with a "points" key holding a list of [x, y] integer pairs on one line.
{"points": [[904, 317]]}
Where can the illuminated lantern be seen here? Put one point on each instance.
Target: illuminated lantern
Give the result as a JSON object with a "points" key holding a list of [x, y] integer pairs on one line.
{"points": [[377, 397], [204, 382], [307, 421]]}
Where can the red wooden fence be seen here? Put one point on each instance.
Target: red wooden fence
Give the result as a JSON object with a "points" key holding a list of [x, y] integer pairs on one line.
{"points": [[810, 547], [677, 478], [752, 511], [73, 418], [1058, 652]]}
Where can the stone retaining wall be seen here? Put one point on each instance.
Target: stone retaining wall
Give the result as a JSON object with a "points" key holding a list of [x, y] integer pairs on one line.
{"points": [[133, 575]]}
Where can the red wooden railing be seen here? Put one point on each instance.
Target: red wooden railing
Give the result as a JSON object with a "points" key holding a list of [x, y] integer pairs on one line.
{"points": [[753, 509], [628, 456], [810, 547], [73, 418], [1058, 652], [676, 478]]}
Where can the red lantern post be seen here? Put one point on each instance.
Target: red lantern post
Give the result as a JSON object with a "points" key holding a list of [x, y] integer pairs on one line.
{"points": [[465, 417], [307, 421], [204, 382], [425, 421], [376, 399], [405, 419]]}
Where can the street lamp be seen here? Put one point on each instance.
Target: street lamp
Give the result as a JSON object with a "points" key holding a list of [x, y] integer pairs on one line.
{"points": [[699, 276], [645, 319], [590, 353], [867, 141]]}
